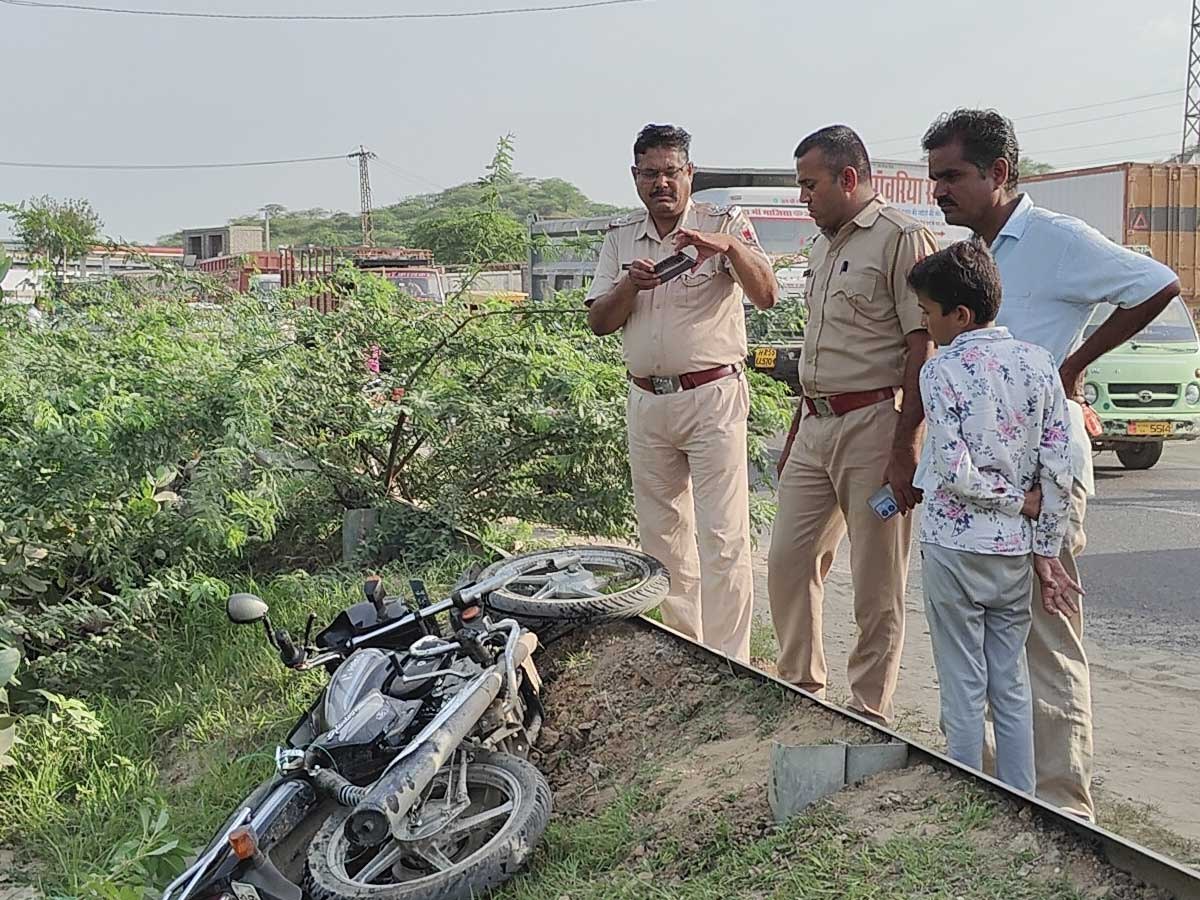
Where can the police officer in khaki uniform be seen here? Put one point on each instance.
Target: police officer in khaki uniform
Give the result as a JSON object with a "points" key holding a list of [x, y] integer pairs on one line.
{"points": [[857, 427], [684, 345]]}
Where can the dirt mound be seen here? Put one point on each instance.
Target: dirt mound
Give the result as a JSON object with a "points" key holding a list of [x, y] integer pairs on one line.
{"points": [[661, 760]]}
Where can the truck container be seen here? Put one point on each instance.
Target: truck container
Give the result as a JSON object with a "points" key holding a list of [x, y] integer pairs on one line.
{"points": [[1140, 205]]}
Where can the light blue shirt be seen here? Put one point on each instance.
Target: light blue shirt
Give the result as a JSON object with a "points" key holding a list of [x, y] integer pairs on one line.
{"points": [[1054, 269]]}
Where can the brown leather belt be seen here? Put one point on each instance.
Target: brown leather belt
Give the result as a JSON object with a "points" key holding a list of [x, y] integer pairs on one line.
{"points": [[840, 404], [673, 384]]}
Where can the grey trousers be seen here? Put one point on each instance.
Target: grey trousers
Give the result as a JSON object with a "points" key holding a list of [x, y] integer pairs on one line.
{"points": [[978, 608]]}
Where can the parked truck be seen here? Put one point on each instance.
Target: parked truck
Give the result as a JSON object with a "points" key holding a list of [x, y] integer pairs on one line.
{"points": [[1147, 391], [1151, 205]]}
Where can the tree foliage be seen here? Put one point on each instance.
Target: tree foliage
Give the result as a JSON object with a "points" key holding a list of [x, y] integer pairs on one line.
{"points": [[410, 221], [1027, 167], [147, 444], [59, 231]]}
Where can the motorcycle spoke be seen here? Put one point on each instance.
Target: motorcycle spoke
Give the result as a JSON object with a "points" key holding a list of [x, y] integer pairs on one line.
{"points": [[387, 857], [473, 822], [545, 591], [435, 857]]}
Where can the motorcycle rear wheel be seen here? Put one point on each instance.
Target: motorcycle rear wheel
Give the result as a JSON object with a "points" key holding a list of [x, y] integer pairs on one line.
{"points": [[484, 847], [609, 583]]}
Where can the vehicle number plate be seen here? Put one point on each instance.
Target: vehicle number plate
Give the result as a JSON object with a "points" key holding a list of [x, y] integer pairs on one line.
{"points": [[764, 357], [1156, 429], [244, 891]]}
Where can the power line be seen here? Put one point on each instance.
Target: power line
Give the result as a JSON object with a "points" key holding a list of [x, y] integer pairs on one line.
{"points": [[167, 166], [1103, 160], [413, 175], [1129, 140], [281, 17], [1067, 109], [1132, 112]]}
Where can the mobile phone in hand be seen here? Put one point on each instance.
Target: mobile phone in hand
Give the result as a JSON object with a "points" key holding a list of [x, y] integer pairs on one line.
{"points": [[676, 264], [883, 502]]}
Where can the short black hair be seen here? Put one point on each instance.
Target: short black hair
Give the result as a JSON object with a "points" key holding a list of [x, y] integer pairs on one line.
{"points": [[985, 135], [964, 274], [842, 147], [670, 136]]}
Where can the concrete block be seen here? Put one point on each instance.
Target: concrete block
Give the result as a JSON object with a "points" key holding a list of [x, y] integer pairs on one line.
{"points": [[800, 776], [865, 760]]}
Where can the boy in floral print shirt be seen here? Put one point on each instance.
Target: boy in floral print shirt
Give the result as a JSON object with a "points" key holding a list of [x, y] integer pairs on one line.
{"points": [[995, 474]]}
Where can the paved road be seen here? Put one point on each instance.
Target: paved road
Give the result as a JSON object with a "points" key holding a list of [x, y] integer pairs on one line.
{"points": [[1142, 564], [1141, 568]]}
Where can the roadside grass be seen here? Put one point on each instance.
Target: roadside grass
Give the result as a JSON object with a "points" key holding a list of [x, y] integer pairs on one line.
{"points": [[183, 724], [1137, 822], [621, 852]]}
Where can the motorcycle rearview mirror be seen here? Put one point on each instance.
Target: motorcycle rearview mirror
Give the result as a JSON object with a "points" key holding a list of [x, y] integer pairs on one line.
{"points": [[245, 609]]}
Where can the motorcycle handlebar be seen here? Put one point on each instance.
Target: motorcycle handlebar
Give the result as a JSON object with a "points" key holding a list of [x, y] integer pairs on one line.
{"points": [[291, 655]]}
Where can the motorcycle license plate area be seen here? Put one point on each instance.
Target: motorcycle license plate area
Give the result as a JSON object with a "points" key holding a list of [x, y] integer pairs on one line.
{"points": [[1149, 429], [245, 891], [764, 357]]}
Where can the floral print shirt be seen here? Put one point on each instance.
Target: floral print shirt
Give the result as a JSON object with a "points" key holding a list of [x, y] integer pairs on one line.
{"points": [[997, 424]]}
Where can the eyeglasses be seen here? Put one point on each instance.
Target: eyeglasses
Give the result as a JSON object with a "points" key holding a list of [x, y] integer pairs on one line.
{"points": [[649, 176]]}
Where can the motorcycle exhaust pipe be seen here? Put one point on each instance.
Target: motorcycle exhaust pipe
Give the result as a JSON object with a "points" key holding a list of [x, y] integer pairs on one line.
{"points": [[380, 813]]}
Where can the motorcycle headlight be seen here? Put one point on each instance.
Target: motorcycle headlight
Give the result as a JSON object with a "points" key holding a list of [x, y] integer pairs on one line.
{"points": [[1192, 394], [1091, 393]]}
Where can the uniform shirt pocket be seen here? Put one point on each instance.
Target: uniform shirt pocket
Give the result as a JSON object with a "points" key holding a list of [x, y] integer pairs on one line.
{"points": [[699, 285], [859, 293]]}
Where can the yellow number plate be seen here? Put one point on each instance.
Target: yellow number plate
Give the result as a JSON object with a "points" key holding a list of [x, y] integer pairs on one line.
{"points": [[764, 357], [1155, 429]]}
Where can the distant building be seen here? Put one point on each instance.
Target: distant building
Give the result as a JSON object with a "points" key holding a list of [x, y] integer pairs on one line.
{"points": [[228, 240], [22, 282]]}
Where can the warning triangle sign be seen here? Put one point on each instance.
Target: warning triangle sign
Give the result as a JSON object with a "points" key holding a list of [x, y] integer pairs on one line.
{"points": [[1139, 222]]}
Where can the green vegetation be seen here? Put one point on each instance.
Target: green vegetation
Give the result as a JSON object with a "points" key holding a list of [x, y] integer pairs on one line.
{"points": [[157, 454], [1027, 167], [622, 852], [441, 221], [54, 232]]}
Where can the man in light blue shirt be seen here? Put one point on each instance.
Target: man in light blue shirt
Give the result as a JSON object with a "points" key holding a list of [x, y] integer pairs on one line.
{"points": [[1054, 269]]}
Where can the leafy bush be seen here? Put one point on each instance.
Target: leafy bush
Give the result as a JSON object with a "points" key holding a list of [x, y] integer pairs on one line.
{"points": [[782, 322], [147, 443]]}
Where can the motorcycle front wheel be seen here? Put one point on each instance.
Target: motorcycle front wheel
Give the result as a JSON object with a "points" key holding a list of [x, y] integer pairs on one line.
{"points": [[481, 848], [607, 583]]}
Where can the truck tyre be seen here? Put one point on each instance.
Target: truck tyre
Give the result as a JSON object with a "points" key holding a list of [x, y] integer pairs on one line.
{"points": [[1140, 456]]}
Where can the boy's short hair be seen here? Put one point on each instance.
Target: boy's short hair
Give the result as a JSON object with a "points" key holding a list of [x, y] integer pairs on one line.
{"points": [[964, 274]]}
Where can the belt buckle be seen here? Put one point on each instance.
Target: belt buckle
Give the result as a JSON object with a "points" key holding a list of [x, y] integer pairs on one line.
{"points": [[666, 384], [823, 407]]}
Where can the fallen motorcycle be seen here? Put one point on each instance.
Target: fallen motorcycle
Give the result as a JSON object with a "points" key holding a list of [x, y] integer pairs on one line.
{"points": [[407, 778]]}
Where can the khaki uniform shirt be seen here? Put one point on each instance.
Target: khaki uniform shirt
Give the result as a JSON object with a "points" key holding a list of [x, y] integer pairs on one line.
{"points": [[697, 320], [860, 307]]}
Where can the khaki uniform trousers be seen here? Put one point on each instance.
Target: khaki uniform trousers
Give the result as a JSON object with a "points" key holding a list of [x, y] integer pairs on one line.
{"points": [[836, 464], [687, 454], [1062, 690]]}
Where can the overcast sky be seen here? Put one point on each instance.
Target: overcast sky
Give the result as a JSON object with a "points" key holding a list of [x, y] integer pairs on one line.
{"points": [[747, 78]]}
